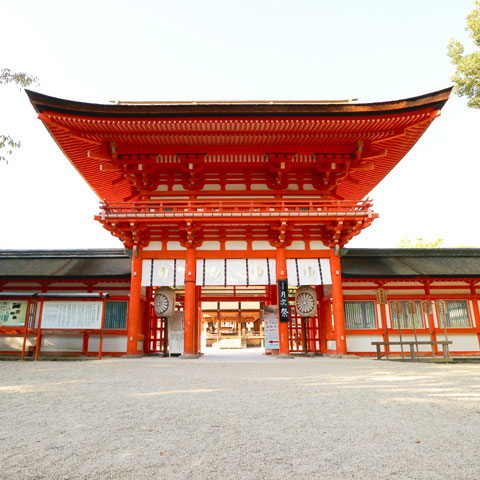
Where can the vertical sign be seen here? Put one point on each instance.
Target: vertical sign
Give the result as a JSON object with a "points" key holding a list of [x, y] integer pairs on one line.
{"points": [[283, 307], [270, 326]]}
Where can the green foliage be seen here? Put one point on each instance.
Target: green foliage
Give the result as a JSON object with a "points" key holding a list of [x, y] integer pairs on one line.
{"points": [[420, 243], [19, 78], [7, 143], [466, 78]]}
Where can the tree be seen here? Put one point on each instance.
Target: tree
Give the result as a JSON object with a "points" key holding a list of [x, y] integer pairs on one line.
{"points": [[7, 143], [420, 243], [466, 78]]}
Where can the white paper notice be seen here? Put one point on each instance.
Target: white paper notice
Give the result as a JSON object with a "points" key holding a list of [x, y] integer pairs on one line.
{"points": [[72, 315]]}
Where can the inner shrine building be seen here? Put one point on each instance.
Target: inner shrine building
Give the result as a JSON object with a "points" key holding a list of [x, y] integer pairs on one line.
{"points": [[236, 202]]}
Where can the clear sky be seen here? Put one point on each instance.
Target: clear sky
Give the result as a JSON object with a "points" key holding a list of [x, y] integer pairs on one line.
{"points": [[97, 51]]}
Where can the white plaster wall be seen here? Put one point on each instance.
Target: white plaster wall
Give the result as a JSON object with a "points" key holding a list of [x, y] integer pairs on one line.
{"points": [[174, 245], [331, 345], [12, 343], [250, 305], [461, 342], [296, 245], [317, 245], [210, 245], [156, 245], [111, 343], [209, 305], [348, 293], [235, 245], [262, 245], [362, 343], [453, 292], [228, 305], [410, 338], [407, 291], [62, 343]]}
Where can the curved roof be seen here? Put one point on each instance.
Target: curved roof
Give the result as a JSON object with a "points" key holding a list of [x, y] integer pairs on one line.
{"points": [[316, 132], [43, 103], [98, 263], [410, 262]]}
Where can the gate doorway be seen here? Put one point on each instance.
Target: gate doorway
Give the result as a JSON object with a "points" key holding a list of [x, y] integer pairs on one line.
{"points": [[232, 317]]}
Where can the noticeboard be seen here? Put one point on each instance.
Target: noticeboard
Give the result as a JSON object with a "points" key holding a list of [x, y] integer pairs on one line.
{"points": [[270, 326], [73, 315], [13, 313], [283, 306]]}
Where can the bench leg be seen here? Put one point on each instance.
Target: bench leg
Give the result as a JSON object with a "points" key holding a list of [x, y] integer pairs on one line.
{"points": [[446, 353], [412, 351], [379, 353]]}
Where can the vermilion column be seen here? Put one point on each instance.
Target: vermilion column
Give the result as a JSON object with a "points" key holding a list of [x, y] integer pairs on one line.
{"points": [[337, 298], [190, 305], [281, 267], [476, 311], [199, 318], [134, 320]]}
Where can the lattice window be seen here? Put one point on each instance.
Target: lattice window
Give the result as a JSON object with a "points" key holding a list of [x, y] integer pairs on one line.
{"points": [[359, 315], [115, 315], [456, 316], [406, 319]]}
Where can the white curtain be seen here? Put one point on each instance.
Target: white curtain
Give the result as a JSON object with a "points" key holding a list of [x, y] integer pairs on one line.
{"points": [[210, 272], [261, 271], [308, 271], [237, 271], [163, 273]]}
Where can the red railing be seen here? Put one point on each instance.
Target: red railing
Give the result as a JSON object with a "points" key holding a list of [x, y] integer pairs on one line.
{"points": [[216, 207]]}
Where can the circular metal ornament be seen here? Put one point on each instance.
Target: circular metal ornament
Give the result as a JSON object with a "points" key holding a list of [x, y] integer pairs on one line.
{"points": [[306, 301], [164, 301], [161, 304]]}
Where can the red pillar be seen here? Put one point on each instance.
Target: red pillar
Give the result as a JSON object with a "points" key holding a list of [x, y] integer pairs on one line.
{"points": [[134, 320], [337, 297], [476, 311], [198, 340], [284, 348], [190, 306]]}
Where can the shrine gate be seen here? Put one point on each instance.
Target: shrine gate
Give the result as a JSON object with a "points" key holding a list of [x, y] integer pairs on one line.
{"points": [[245, 196]]}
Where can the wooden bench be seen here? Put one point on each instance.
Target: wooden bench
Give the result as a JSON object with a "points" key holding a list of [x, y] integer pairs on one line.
{"points": [[412, 344]]}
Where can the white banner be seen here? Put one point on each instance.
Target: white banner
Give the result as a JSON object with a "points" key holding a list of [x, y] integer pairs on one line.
{"points": [[211, 272], [236, 271], [261, 271], [308, 271], [163, 273]]}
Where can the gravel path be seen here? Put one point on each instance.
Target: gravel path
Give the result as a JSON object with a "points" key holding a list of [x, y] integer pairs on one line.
{"points": [[239, 417]]}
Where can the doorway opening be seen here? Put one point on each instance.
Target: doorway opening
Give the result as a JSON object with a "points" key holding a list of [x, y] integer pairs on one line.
{"points": [[232, 318]]}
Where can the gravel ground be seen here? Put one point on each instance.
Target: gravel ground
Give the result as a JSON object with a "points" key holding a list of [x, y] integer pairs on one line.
{"points": [[239, 417]]}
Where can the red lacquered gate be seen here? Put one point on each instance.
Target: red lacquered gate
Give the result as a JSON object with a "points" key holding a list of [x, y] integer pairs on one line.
{"points": [[298, 328], [156, 339]]}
